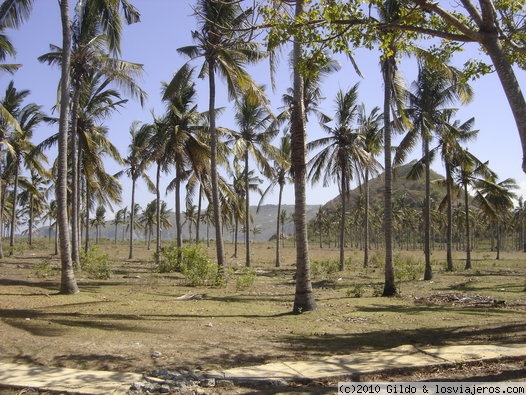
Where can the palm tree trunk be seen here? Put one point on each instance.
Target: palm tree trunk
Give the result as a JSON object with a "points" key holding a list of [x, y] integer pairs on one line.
{"points": [[278, 228], [198, 222], [304, 297], [68, 284], [428, 270], [31, 216], [343, 189], [178, 225], [449, 235], [132, 217], [220, 254], [247, 214], [75, 174], [158, 211], [13, 208], [468, 229], [86, 225], [510, 85], [366, 221], [388, 67]]}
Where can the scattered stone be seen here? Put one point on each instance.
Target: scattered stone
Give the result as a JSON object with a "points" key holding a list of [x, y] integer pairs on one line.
{"points": [[181, 381], [131, 277], [459, 299], [156, 354], [190, 297]]}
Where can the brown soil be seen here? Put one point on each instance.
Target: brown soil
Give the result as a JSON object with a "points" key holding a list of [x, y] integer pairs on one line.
{"points": [[139, 320]]}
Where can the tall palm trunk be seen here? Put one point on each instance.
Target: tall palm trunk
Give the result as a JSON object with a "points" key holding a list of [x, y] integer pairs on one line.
{"points": [[132, 217], [428, 270], [220, 254], [68, 284], [304, 297], [388, 68], [247, 214], [158, 211], [75, 174], [178, 225], [449, 236], [198, 222], [343, 213], [366, 220], [31, 220], [13, 208], [468, 228], [278, 228]]}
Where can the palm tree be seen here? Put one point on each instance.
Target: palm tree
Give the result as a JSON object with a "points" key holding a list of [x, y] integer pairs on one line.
{"points": [[99, 221], [280, 176], [393, 95], [253, 139], [468, 170], [11, 103], [120, 219], [183, 148], [22, 151], [369, 128], [435, 89], [226, 45], [303, 297], [137, 164], [96, 34], [495, 199], [341, 155]]}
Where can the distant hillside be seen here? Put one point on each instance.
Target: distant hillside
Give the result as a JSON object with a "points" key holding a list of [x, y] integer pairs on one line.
{"points": [[413, 189]]}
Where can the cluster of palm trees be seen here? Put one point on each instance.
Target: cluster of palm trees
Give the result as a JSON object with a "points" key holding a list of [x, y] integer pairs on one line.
{"points": [[188, 143]]}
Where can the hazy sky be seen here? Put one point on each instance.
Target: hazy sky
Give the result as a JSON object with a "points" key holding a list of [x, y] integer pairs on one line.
{"points": [[166, 25]]}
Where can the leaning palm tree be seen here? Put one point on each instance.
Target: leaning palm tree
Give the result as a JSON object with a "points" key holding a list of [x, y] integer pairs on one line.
{"points": [[226, 46], [254, 139], [342, 153]]}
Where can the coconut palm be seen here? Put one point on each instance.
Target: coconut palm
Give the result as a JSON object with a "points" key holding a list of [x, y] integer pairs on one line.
{"points": [[23, 152], [184, 151], [279, 176], [95, 46], [436, 88], [342, 153], [369, 126], [254, 139], [495, 199], [120, 219], [226, 45], [136, 165]]}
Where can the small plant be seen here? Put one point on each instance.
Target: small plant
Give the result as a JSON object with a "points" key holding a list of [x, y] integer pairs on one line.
{"points": [[406, 268], [44, 268], [96, 264], [378, 290], [325, 267], [246, 278], [190, 260], [356, 292], [376, 260]]}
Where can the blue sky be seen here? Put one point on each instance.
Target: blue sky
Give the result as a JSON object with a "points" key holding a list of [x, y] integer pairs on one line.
{"points": [[166, 25]]}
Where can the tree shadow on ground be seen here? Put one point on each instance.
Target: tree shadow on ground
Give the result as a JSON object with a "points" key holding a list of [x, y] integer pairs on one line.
{"points": [[329, 344]]}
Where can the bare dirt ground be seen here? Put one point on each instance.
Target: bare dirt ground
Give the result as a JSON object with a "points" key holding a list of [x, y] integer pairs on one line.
{"points": [[137, 321]]}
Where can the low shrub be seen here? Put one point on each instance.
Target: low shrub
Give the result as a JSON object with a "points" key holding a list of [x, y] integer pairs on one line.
{"points": [[246, 278], [325, 267], [96, 264]]}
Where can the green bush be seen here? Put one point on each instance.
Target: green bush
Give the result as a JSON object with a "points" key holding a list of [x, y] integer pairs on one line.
{"points": [[325, 267], [246, 278], [406, 268], [44, 268], [357, 291], [96, 264], [192, 261]]}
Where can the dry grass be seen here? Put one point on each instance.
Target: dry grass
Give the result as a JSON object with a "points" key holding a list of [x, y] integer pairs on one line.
{"points": [[134, 321]]}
